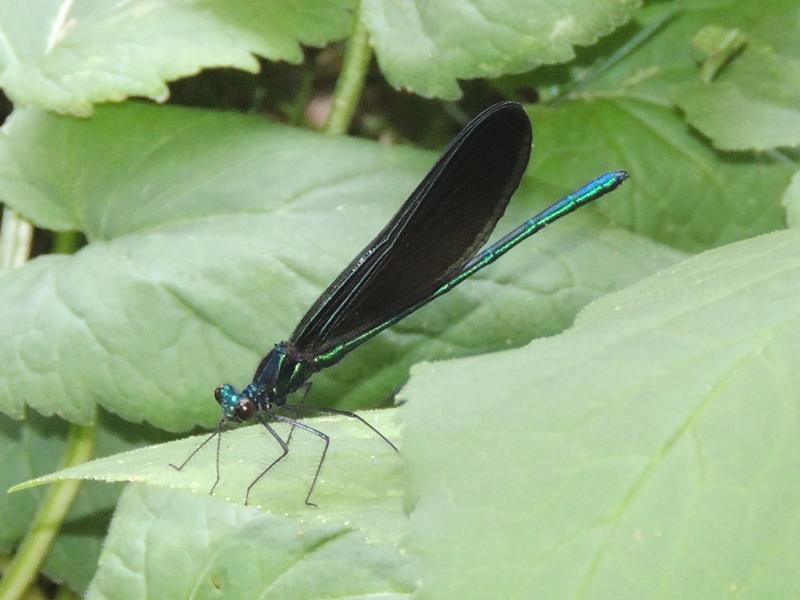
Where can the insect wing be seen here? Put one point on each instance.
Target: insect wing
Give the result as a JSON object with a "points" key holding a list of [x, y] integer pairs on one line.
{"points": [[441, 226]]}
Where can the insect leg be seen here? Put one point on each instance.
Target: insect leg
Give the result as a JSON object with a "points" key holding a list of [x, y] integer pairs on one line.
{"points": [[284, 448], [319, 434], [196, 450], [344, 413], [216, 464], [307, 386]]}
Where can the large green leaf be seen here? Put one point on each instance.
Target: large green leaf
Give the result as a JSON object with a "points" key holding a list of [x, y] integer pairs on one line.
{"points": [[425, 47], [36, 446], [360, 485], [210, 236], [350, 542], [358, 523], [176, 545], [648, 452], [65, 56]]}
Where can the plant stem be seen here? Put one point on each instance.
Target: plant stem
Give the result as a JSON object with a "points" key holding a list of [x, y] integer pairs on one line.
{"points": [[16, 235], [66, 242], [351, 80], [45, 525], [296, 110]]}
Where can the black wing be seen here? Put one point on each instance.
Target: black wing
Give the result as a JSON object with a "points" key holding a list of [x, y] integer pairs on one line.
{"points": [[442, 225]]}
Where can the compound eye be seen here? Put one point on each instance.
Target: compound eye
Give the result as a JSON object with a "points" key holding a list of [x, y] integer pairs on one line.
{"points": [[245, 409]]}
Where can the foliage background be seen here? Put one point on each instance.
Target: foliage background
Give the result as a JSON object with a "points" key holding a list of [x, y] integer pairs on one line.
{"points": [[174, 171]]}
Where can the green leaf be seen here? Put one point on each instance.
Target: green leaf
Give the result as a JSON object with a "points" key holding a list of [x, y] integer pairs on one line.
{"points": [[36, 446], [66, 56], [647, 452], [360, 484], [359, 520], [682, 192], [425, 47], [175, 545], [211, 234]]}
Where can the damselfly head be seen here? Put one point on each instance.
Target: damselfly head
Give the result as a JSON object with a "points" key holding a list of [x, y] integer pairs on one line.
{"points": [[235, 406]]}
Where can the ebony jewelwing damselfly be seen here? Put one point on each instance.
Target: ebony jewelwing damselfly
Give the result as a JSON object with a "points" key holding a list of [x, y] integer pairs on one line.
{"points": [[430, 246]]}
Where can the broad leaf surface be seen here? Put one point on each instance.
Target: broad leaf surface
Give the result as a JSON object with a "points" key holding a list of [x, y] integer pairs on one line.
{"points": [[67, 55], [359, 520], [647, 452], [425, 47], [166, 544], [212, 233], [360, 485]]}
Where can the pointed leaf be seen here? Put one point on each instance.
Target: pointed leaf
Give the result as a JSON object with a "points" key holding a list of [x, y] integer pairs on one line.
{"points": [[425, 47], [67, 55], [166, 544], [646, 452]]}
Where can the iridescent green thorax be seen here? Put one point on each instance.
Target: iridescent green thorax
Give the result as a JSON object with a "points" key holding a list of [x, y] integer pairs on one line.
{"points": [[282, 371]]}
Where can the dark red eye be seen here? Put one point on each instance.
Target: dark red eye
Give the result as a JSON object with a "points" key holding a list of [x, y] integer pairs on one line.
{"points": [[245, 409]]}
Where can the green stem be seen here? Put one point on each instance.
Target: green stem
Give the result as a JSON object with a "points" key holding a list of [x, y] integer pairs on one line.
{"points": [[351, 80], [297, 109], [45, 525], [16, 235], [66, 242]]}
